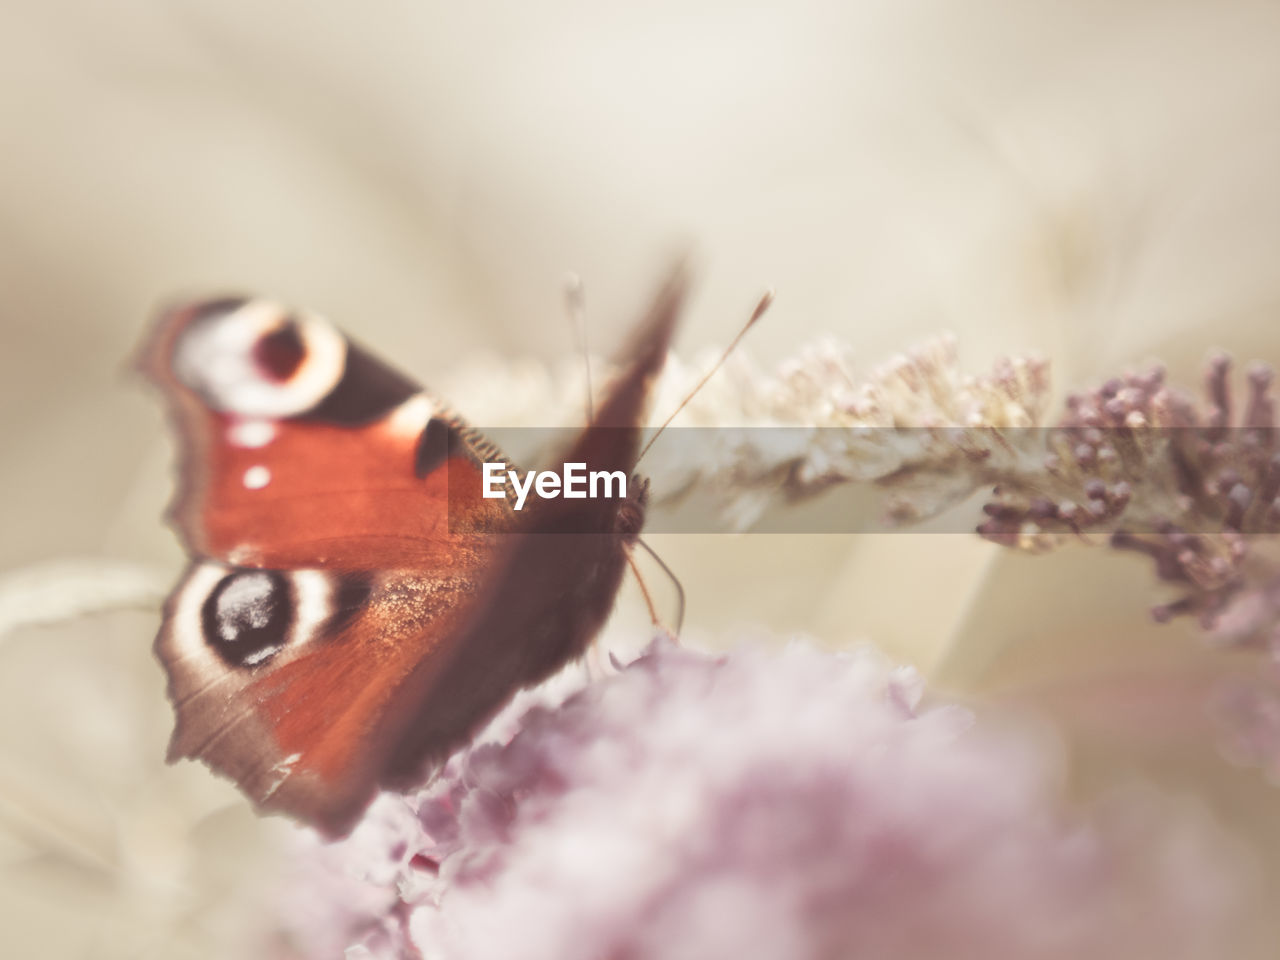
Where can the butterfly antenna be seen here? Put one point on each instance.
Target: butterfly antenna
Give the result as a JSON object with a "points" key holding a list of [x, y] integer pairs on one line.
{"points": [[762, 307], [576, 310], [675, 581]]}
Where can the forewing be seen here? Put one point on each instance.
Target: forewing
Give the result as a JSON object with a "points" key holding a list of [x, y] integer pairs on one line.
{"points": [[297, 448]]}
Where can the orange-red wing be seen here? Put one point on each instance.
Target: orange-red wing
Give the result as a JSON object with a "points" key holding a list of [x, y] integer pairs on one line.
{"points": [[334, 484]]}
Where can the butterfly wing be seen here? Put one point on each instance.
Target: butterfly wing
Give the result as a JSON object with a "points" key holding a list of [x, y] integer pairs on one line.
{"points": [[333, 635], [283, 680], [313, 492], [299, 448], [553, 584]]}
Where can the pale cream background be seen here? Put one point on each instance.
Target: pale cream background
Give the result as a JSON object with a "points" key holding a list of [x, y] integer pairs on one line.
{"points": [[1093, 181]]}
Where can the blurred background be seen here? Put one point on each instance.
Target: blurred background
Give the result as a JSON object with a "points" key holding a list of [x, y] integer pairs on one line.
{"points": [[1092, 182]]}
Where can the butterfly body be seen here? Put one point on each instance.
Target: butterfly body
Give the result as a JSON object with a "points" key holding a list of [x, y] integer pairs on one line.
{"points": [[355, 609]]}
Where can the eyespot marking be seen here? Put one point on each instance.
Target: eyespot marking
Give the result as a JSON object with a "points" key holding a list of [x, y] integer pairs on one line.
{"points": [[256, 360], [279, 353], [246, 617]]}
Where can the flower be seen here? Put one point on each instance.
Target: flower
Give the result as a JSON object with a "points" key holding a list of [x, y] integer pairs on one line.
{"points": [[1189, 485], [1196, 487], [772, 803], [916, 425]]}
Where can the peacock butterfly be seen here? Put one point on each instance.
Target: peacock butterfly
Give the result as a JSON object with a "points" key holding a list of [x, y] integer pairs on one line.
{"points": [[335, 634]]}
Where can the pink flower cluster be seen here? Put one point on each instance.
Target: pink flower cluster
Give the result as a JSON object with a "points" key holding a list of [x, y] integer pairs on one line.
{"points": [[766, 804], [1191, 484]]}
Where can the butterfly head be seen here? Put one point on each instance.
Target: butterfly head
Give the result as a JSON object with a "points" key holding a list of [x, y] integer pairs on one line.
{"points": [[631, 513]]}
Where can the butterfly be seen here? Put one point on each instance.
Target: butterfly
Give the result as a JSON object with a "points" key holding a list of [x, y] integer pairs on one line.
{"points": [[354, 608]]}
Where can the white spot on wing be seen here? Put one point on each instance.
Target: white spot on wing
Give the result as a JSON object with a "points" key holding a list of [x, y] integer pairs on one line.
{"points": [[251, 433], [282, 770], [256, 477], [410, 418], [266, 653]]}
